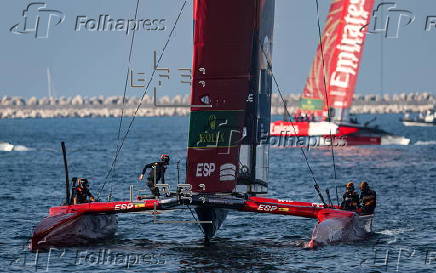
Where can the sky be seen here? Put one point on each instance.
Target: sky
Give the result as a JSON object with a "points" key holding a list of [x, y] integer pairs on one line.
{"points": [[89, 62]]}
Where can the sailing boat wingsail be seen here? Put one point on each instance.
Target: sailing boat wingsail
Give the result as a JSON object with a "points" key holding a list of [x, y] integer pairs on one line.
{"points": [[227, 151], [225, 69], [337, 60], [255, 148]]}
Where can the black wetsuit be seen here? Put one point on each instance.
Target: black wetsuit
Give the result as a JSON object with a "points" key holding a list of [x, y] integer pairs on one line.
{"points": [[158, 169], [350, 200], [368, 201], [81, 194]]}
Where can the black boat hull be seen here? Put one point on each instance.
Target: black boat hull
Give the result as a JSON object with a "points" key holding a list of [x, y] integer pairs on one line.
{"points": [[214, 215]]}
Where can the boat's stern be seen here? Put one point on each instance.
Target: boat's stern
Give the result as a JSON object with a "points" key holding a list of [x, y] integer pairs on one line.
{"points": [[394, 140]]}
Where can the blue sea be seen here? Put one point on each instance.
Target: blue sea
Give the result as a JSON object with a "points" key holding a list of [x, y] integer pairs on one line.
{"points": [[33, 180]]}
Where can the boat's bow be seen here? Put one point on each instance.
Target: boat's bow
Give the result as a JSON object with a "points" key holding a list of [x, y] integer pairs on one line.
{"points": [[340, 226], [73, 229], [6, 147]]}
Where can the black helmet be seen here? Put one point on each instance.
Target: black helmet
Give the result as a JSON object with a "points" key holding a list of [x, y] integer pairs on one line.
{"points": [[165, 158], [364, 186]]}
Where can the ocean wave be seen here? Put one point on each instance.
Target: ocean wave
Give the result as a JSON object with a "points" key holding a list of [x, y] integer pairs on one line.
{"points": [[431, 142], [22, 148], [394, 232]]}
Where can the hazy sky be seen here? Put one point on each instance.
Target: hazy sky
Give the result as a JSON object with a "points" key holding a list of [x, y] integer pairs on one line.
{"points": [[92, 63]]}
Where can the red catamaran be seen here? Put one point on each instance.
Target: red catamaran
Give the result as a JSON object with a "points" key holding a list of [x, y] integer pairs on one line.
{"points": [[227, 160], [323, 111]]}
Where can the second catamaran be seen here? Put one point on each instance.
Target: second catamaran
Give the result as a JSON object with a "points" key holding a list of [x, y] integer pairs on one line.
{"points": [[324, 106]]}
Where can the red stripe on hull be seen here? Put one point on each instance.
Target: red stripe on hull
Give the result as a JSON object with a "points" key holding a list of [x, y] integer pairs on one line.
{"points": [[346, 134]]}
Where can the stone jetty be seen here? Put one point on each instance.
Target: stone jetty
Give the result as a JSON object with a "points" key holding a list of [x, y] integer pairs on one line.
{"points": [[114, 106]]}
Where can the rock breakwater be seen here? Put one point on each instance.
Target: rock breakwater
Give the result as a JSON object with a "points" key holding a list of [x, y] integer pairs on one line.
{"points": [[114, 106]]}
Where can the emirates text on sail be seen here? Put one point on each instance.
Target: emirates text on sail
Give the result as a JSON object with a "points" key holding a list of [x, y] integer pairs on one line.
{"points": [[350, 46]]}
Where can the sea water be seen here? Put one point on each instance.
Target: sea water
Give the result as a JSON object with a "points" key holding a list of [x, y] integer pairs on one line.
{"points": [[32, 181]]}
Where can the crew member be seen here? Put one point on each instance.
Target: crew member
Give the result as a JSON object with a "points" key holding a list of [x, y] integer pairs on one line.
{"points": [[156, 173], [80, 192], [350, 198], [368, 198]]}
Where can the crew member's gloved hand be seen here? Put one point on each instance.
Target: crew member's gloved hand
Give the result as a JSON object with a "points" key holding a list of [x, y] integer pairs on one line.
{"points": [[141, 176]]}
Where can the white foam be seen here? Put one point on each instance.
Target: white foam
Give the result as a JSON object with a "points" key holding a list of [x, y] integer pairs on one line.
{"points": [[6, 147], [431, 142], [393, 232], [22, 148]]}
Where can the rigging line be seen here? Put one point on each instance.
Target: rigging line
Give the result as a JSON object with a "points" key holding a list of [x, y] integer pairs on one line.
{"points": [[134, 31], [381, 56], [142, 98], [127, 76], [292, 124], [122, 108], [325, 85]]}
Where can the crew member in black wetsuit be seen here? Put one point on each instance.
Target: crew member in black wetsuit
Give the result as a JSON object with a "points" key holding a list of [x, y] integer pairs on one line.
{"points": [[80, 192], [156, 173], [350, 198], [368, 198]]}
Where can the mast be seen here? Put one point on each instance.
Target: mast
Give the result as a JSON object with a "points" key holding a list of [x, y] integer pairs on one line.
{"points": [[49, 83], [337, 62], [224, 132], [258, 114]]}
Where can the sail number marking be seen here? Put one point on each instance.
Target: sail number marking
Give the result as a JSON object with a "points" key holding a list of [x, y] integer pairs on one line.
{"points": [[205, 169], [267, 208], [123, 206], [285, 201]]}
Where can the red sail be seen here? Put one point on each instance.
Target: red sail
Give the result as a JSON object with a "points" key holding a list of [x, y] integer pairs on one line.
{"points": [[224, 34], [343, 41]]}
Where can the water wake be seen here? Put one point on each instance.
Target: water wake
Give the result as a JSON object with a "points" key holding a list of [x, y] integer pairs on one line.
{"points": [[431, 142], [7, 147], [22, 148]]}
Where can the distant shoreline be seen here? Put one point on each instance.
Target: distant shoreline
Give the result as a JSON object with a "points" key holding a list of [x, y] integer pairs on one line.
{"points": [[16, 107]]}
